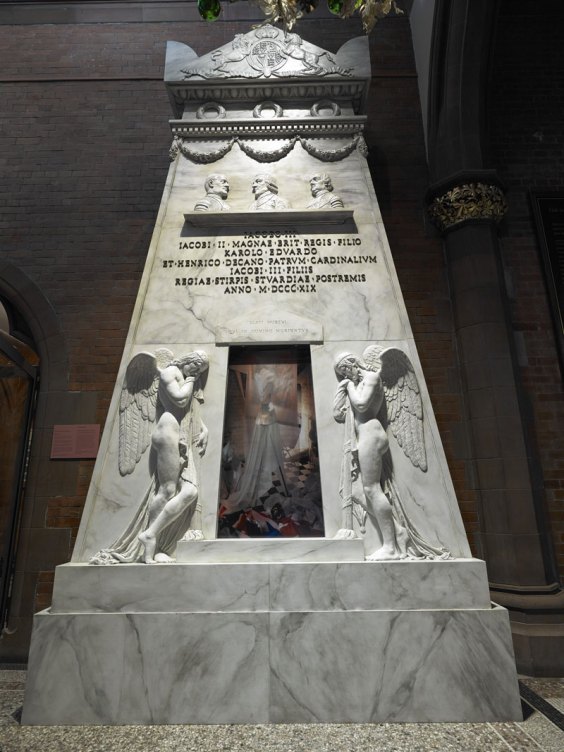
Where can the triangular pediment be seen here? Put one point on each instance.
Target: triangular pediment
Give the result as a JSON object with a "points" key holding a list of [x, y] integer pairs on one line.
{"points": [[267, 53], [268, 63]]}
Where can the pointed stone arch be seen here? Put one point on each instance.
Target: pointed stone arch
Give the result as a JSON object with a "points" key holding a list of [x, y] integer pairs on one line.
{"points": [[36, 549], [30, 301]]}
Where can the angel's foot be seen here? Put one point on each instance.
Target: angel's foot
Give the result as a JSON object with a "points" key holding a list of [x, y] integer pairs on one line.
{"points": [[162, 558], [344, 534], [385, 553], [150, 542], [413, 553], [192, 535], [403, 542]]}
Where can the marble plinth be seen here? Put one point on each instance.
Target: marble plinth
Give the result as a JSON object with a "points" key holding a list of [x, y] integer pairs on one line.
{"points": [[260, 549], [292, 587], [264, 642], [270, 219], [308, 667]]}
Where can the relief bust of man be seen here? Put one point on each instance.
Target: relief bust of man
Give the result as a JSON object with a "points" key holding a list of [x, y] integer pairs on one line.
{"points": [[322, 192], [265, 191], [217, 190]]}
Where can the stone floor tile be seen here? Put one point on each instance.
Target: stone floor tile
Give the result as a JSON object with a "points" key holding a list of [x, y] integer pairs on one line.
{"points": [[557, 702], [10, 701], [516, 738], [545, 687], [549, 737], [280, 738], [12, 676]]}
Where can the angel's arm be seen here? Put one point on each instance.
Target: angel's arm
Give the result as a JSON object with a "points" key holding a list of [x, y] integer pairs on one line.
{"points": [[202, 439], [179, 389], [362, 395], [340, 401]]}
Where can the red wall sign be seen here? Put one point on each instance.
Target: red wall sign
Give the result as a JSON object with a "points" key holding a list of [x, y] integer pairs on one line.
{"points": [[75, 442]]}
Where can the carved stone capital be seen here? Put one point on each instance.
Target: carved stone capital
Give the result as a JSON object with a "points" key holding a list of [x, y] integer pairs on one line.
{"points": [[466, 196], [467, 201]]}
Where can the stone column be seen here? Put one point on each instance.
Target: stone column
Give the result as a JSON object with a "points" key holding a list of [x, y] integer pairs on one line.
{"points": [[466, 214], [515, 537], [466, 202]]}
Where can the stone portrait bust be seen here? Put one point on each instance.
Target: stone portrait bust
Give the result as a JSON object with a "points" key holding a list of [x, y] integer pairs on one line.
{"points": [[322, 192], [265, 191], [217, 190]]}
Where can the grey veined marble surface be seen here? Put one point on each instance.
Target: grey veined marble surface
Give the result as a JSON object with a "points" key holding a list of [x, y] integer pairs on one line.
{"points": [[154, 668]]}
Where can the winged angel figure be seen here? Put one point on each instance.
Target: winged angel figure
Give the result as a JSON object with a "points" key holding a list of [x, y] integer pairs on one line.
{"points": [[377, 393], [159, 406]]}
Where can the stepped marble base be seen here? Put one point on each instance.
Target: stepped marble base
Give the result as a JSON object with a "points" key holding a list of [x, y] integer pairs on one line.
{"points": [[371, 666], [282, 643]]}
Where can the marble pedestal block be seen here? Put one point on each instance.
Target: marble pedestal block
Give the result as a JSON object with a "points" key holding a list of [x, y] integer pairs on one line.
{"points": [[255, 642]]}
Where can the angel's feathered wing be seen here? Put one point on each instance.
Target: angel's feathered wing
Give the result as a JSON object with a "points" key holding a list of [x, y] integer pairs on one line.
{"points": [[403, 400], [137, 410]]}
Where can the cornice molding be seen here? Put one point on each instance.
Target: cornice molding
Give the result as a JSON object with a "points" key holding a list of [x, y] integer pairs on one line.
{"points": [[275, 128]]}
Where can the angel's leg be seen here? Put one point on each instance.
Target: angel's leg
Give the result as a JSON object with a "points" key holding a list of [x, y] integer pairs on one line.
{"points": [[166, 443], [186, 496], [372, 445]]}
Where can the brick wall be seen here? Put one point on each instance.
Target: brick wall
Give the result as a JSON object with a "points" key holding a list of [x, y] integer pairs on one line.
{"points": [[83, 143], [527, 147]]}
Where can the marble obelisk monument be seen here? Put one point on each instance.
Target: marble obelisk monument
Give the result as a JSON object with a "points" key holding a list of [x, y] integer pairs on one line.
{"points": [[271, 533]]}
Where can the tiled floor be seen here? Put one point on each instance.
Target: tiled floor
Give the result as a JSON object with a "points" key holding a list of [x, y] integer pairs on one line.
{"points": [[539, 731]]}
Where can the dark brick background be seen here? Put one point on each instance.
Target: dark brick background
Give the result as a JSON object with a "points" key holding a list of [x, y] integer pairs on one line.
{"points": [[527, 148]]}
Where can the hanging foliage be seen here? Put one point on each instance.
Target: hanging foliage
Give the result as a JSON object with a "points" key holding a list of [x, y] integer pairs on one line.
{"points": [[288, 12]]}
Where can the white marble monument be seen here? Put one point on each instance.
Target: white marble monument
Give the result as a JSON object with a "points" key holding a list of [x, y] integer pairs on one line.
{"points": [[269, 238]]}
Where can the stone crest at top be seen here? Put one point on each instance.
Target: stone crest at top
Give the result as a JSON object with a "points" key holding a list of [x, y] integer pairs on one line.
{"points": [[267, 52]]}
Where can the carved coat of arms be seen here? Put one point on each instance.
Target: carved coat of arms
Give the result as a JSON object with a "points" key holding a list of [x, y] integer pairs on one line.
{"points": [[266, 52]]}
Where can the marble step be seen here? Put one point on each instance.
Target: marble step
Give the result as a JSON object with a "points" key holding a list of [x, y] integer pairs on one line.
{"points": [[242, 550], [255, 587], [331, 667]]}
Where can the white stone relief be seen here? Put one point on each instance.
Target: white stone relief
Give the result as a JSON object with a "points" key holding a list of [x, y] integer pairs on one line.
{"points": [[362, 146], [319, 149], [217, 190], [376, 393], [159, 406], [265, 191], [264, 53], [262, 150], [210, 111], [322, 191], [266, 151], [319, 109], [268, 110]]}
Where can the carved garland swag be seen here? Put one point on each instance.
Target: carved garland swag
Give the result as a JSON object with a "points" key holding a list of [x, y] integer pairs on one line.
{"points": [[264, 150]]}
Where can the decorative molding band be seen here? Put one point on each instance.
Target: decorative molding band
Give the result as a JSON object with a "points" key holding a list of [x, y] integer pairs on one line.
{"points": [[234, 220], [343, 90], [468, 201], [263, 150], [310, 126]]}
